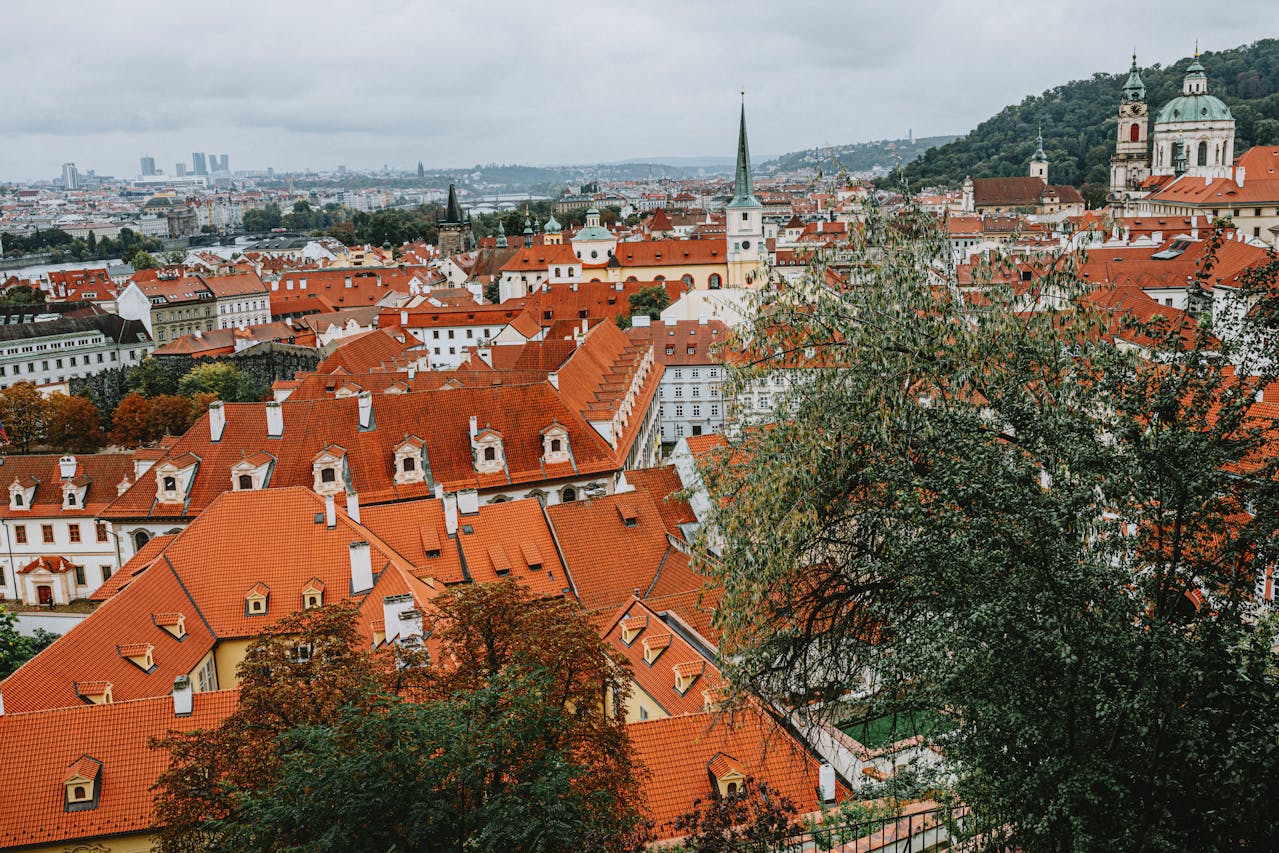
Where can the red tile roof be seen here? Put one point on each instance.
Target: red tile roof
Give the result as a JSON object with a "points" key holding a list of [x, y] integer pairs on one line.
{"points": [[111, 740], [679, 751], [364, 351], [684, 342], [657, 679], [667, 253], [104, 472]]}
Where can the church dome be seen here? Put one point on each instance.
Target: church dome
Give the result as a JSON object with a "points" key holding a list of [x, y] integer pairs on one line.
{"points": [[1194, 108]]}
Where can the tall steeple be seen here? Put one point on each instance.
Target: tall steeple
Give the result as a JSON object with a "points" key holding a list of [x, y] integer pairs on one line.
{"points": [[453, 211], [501, 235], [1039, 160], [743, 183], [1134, 89]]}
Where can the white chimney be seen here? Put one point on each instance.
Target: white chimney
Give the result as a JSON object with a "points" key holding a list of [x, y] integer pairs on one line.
{"points": [[66, 467], [361, 567], [554, 378], [274, 420], [485, 354], [365, 402], [702, 320], [183, 696], [641, 321], [1, 704], [1239, 176], [353, 506], [410, 623], [1194, 226], [826, 782], [404, 318], [474, 428], [217, 420], [412, 372], [330, 512], [468, 501], [450, 514], [619, 287], [393, 606], [573, 287]]}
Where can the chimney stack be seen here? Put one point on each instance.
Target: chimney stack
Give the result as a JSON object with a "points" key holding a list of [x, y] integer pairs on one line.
{"points": [[361, 567], [703, 320], [450, 514], [353, 506], [468, 501], [365, 402], [554, 378], [330, 512], [1239, 170], [1194, 226], [1, 704], [274, 420], [393, 607], [404, 318], [475, 430], [66, 467], [217, 421], [412, 372], [410, 623], [183, 696], [640, 321]]}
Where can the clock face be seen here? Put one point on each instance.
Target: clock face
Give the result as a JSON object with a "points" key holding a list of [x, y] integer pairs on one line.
{"points": [[746, 244]]}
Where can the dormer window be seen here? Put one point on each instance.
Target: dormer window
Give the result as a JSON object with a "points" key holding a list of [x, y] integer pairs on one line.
{"points": [[173, 623], [632, 627], [313, 594], [69, 500], [140, 655], [654, 645], [169, 484], [628, 513], [410, 461], [686, 674], [489, 455], [94, 692], [327, 467], [244, 483], [328, 475], [409, 465], [726, 774], [555, 446], [255, 600], [81, 784], [22, 493], [19, 500]]}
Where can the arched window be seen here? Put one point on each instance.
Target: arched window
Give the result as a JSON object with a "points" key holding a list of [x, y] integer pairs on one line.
{"points": [[78, 793], [70, 498], [410, 464], [556, 444], [1134, 132], [715, 281], [659, 278], [490, 454], [557, 272], [568, 495], [632, 278], [732, 789], [17, 499], [246, 482], [687, 279], [1203, 153], [170, 484], [140, 538]]}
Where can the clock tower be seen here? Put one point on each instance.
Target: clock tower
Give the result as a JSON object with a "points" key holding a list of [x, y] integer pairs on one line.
{"points": [[745, 218], [1131, 164]]}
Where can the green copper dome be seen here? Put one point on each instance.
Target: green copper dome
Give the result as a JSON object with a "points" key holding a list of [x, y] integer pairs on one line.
{"points": [[1194, 108], [552, 226]]}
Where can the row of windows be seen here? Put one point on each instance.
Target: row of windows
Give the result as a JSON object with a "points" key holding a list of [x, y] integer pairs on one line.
{"points": [[183, 314], [697, 411], [694, 391], [74, 533], [257, 305], [85, 360], [696, 373], [470, 333], [78, 342]]}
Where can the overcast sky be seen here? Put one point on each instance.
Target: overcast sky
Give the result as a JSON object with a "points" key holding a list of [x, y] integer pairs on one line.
{"points": [[318, 83]]}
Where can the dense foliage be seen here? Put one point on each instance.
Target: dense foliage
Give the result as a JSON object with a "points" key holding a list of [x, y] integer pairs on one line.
{"points": [[501, 744], [857, 157], [15, 648], [1078, 120], [61, 246], [992, 514]]}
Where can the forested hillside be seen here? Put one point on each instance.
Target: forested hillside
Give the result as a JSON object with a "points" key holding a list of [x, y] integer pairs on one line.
{"points": [[855, 157], [1078, 121]]}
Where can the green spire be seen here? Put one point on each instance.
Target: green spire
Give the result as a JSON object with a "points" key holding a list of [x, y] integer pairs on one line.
{"points": [[501, 235], [553, 226], [1134, 89], [1039, 156], [743, 184]]}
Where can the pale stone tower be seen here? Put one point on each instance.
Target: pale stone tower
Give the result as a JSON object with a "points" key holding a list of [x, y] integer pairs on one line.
{"points": [[1203, 125], [1131, 164], [1039, 160], [745, 218], [455, 229]]}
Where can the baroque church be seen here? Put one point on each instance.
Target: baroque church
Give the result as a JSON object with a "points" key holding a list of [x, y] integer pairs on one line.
{"points": [[1194, 134]]}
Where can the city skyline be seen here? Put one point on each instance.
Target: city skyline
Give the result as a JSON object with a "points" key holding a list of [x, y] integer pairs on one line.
{"points": [[452, 89]]}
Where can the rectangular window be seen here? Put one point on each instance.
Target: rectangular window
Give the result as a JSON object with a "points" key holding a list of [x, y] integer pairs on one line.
{"points": [[79, 576], [20, 534], [436, 333], [697, 411], [46, 532], [106, 573], [73, 530], [102, 531]]}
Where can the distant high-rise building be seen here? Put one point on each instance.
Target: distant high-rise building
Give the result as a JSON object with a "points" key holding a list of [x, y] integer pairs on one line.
{"points": [[341, 170], [199, 164], [148, 167], [180, 170], [225, 163], [70, 177], [421, 170]]}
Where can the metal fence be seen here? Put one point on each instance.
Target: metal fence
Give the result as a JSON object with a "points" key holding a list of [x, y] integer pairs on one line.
{"points": [[913, 831]]}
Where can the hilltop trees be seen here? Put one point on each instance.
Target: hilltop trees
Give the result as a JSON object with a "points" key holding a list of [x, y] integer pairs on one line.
{"points": [[1012, 523], [501, 744]]}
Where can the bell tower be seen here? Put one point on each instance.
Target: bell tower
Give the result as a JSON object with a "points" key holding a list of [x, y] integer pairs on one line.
{"points": [[1039, 160], [1131, 164], [745, 217]]}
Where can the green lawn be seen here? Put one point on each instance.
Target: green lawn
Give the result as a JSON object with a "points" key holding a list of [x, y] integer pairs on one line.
{"points": [[877, 732]]}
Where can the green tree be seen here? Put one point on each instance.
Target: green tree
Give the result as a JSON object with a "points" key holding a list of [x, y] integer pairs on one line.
{"points": [[1012, 523], [142, 260], [222, 379], [22, 294], [504, 746], [15, 648], [151, 378], [24, 411], [650, 301], [259, 219]]}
